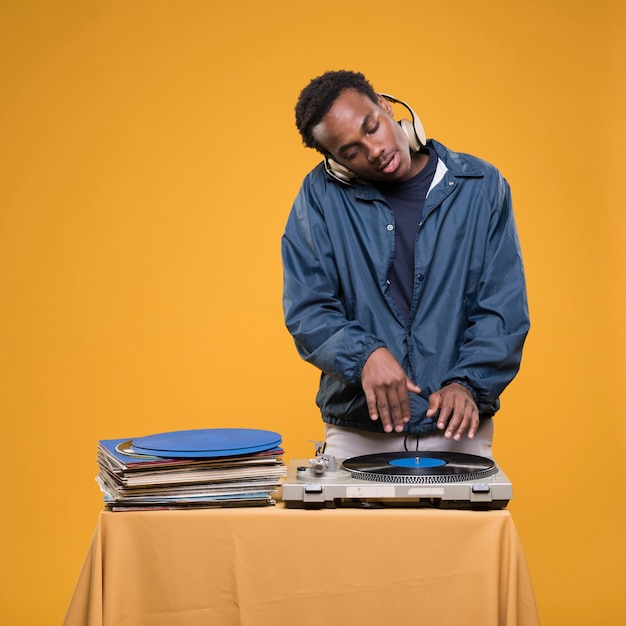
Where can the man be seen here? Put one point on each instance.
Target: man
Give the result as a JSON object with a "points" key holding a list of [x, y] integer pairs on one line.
{"points": [[403, 278]]}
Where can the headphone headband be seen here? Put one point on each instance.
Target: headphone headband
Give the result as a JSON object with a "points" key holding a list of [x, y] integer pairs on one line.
{"points": [[415, 121]]}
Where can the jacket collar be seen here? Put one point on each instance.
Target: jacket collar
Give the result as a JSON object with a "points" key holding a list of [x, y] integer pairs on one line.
{"points": [[457, 163]]}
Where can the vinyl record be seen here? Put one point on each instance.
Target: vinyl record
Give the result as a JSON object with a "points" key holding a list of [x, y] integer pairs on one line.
{"points": [[420, 467], [209, 442], [126, 448]]}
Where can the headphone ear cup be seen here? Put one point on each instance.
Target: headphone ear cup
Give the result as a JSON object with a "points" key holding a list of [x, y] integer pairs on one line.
{"points": [[414, 132], [339, 172], [409, 131]]}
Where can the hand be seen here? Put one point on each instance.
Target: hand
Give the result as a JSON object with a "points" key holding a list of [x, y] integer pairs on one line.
{"points": [[458, 412], [387, 387]]}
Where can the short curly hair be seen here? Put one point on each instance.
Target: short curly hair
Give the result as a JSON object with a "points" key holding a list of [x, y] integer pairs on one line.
{"points": [[318, 97]]}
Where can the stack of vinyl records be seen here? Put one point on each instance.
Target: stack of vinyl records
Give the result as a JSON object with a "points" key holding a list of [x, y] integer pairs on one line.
{"points": [[220, 467]]}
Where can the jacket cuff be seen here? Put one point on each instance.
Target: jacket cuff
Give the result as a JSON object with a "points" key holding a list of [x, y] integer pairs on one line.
{"points": [[465, 384], [371, 347]]}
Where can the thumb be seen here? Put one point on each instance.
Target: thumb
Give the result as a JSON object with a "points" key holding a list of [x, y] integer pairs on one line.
{"points": [[411, 386], [434, 402]]}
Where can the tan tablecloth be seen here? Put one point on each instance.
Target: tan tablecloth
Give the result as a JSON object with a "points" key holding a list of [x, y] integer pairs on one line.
{"points": [[289, 567]]}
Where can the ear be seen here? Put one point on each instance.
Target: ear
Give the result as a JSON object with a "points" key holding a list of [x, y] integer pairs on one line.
{"points": [[384, 104]]}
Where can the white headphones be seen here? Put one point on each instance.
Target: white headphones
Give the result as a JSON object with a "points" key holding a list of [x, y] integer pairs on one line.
{"points": [[413, 129]]}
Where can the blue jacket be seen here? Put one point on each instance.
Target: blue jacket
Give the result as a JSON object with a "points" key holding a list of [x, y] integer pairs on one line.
{"points": [[469, 317]]}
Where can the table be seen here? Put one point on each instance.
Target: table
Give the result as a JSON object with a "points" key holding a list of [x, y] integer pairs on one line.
{"points": [[294, 567]]}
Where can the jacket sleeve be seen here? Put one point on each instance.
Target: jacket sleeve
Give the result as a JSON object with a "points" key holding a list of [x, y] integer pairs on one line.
{"points": [[312, 295], [498, 319]]}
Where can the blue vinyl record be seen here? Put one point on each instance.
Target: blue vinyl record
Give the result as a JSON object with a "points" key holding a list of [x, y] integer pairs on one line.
{"points": [[208, 442]]}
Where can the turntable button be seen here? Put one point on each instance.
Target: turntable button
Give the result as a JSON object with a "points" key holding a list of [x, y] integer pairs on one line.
{"points": [[481, 488], [313, 488]]}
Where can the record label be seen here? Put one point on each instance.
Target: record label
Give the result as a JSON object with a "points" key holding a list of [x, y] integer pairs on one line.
{"points": [[417, 461]]}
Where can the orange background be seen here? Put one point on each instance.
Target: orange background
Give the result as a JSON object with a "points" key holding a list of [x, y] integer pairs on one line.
{"points": [[148, 160]]}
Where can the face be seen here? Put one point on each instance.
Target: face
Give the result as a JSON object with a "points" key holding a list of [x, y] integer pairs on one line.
{"points": [[362, 136]]}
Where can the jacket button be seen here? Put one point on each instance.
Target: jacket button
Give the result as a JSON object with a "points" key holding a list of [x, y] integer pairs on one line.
{"points": [[420, 277], [389, 227]]}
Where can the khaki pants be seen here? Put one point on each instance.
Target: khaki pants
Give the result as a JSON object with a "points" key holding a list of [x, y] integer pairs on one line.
{"points": [[345, 443]]}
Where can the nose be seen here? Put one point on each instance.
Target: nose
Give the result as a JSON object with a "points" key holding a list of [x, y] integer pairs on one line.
{"points": [[374, 151]]}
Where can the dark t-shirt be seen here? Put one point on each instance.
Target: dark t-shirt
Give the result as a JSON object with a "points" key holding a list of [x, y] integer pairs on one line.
{"points": [[406, 200]]}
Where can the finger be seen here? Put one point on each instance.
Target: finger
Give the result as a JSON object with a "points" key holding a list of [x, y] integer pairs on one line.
{"points": [[372, 405], [400, 410], [474, 423], [458, 425], [466, 419], [384, 413], [446, 413], [446, 421]]}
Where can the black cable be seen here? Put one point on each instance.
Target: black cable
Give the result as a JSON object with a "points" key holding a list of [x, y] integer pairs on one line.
{"points": [[417, 442]]}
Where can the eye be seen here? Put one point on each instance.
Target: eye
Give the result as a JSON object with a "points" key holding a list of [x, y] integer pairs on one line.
{"points": [[351, 154], [373, 128]]}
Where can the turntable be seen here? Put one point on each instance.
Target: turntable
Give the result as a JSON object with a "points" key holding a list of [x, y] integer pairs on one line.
{"points": [[409, 479]]}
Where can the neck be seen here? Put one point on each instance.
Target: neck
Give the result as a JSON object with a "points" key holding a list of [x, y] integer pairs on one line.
{"points": [[419, 161]]}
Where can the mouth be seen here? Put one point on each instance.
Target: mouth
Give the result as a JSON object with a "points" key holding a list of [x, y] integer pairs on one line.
{"points": [[389, 165]]}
